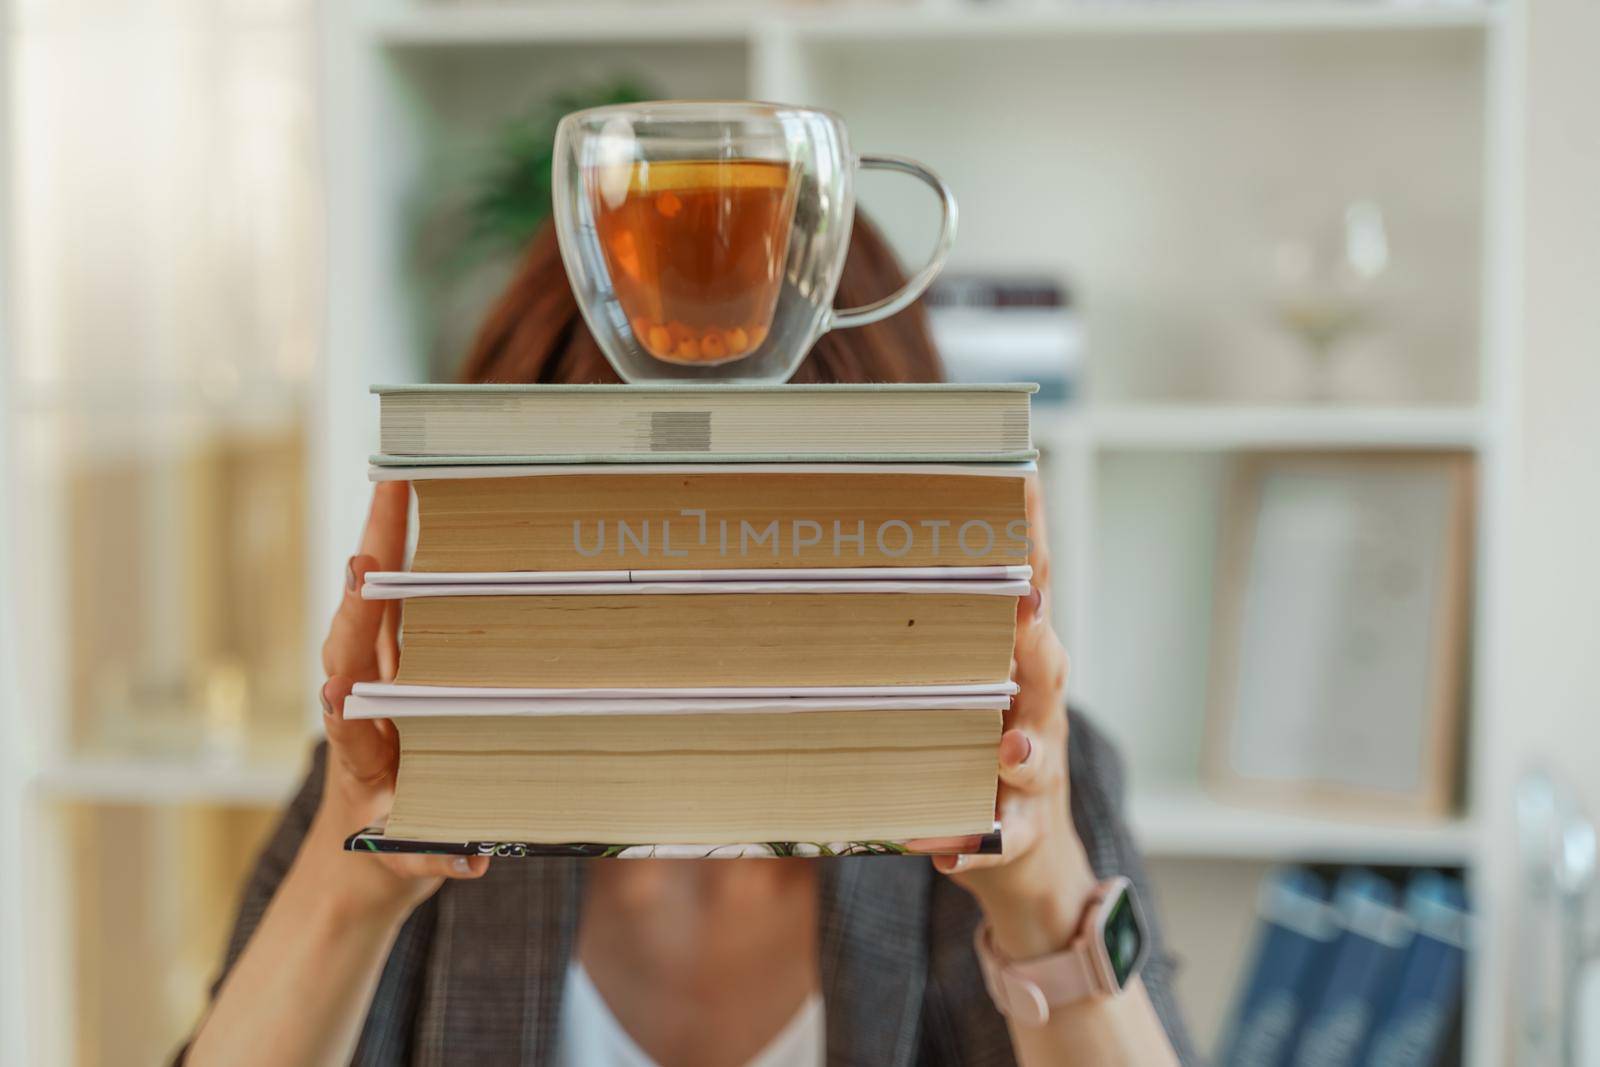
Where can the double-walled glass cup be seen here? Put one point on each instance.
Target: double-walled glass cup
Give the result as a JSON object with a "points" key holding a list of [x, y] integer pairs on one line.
{"points": [[705, 239]]}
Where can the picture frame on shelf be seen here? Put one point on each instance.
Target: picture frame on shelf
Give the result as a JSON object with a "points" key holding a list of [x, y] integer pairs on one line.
{"points": [[1340, 632]]}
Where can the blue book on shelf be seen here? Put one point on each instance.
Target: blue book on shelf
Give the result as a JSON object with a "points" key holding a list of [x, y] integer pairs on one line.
{"points": [[1427, 997], [1362, 971], [1297, 931]]}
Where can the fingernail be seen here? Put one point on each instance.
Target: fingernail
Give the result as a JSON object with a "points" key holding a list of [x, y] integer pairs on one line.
{"points": [[350, 574], [322, 695], [1027, 753], [461, 865], [1029, 605], [960, 862]]}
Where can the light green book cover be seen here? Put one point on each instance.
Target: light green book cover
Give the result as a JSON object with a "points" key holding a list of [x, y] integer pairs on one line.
{"points": [[470, 425]]}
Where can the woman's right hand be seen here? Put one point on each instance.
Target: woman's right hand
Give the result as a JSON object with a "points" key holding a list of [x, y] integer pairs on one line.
{"points": [[363, 754]]}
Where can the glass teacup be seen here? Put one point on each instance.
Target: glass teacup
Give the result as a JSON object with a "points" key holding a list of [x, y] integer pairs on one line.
{"points": [[704, 240]]}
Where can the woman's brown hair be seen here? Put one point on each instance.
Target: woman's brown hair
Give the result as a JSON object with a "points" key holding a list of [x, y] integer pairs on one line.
{"points": [[535, 334]]}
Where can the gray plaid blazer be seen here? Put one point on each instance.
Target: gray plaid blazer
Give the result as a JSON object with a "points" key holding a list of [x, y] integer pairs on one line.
{"points": [[476, 973]]}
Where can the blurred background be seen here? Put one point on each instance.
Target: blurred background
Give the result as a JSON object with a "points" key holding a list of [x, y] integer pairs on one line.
{"points": [[1309, 288]]}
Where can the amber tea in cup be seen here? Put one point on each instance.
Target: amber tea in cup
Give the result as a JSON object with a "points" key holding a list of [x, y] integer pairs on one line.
{"points": [[704, 239], [696, 250]]}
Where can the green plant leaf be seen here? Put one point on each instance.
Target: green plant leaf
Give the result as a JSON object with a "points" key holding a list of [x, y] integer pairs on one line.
{"points": [[512, 198]]}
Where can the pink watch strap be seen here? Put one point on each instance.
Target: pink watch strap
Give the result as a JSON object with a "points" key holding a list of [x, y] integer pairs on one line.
{"points": [[1025, 991]]}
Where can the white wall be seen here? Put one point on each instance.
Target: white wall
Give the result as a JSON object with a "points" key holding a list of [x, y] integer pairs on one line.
{"points": [[1553, 595]]}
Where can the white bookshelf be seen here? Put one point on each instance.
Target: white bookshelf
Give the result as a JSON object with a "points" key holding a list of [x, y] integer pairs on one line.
{"points": [[14, 726], [611, 22], [1133, 147], [884, 22], [1207, 428], [1186, 822], [164, 782]]}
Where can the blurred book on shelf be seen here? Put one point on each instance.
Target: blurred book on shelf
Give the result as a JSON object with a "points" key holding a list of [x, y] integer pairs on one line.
{"points": [[1367, 976], [1359, 972], [1008, 328], [1297, 926], [1412, 1027]]}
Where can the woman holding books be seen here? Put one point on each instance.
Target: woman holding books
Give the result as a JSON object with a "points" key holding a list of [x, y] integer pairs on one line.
{"points": [[1030, 957]]}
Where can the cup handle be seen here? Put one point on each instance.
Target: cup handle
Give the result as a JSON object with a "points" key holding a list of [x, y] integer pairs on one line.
{"points": [[919, 282]]}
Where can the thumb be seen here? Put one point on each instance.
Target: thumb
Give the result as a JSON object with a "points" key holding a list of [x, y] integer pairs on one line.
{"points": [[365, 752], [417, 865]]}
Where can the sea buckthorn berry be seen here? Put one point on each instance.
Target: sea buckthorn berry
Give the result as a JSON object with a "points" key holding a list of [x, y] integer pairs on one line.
{"points": [[688, 351], [712, 345], [738, 340], [659, 340], [626, 254]]}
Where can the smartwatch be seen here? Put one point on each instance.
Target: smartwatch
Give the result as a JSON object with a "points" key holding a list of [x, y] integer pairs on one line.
{"points": [[1105, 954]]}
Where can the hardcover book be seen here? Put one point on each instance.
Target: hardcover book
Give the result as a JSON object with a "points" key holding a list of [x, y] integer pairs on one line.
{"points": [[1293, 946], [674, 517], [907, 772], [705, 633], [1361, 970], [1414, 1020], [519, 424]]}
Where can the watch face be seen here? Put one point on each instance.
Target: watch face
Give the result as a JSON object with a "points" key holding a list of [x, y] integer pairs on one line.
{"points": [[1124, 938]]}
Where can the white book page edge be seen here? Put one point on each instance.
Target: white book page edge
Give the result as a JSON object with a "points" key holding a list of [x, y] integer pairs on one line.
{"points": [[1019, 572], [360, 707], [372, 591], [480, 693]]}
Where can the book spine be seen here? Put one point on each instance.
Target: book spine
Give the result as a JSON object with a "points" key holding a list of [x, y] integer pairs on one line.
{"points": [[1297, 932], [1374, 937], [1427, 997]]}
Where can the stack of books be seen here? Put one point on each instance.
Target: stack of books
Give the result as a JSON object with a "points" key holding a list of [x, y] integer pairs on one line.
{"points": [[702, 621]]}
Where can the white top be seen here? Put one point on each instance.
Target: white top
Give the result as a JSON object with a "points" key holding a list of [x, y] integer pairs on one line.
{"points": [[592, 1037]]}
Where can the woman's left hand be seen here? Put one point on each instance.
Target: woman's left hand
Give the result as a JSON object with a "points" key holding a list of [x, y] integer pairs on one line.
{"points": [[1034, 892]]}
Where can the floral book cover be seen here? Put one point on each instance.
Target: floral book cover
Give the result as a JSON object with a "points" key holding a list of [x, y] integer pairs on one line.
{"points": [[372, 839]]}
